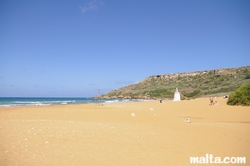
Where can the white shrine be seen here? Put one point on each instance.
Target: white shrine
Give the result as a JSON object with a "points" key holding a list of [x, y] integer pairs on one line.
{"points": [[177, 96]]}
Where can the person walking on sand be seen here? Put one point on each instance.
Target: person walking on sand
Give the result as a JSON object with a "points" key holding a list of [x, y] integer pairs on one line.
{"points": [[211, 100]]}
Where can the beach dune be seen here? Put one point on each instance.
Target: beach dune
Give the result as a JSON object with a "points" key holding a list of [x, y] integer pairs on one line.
{"points": [[133, 133]]}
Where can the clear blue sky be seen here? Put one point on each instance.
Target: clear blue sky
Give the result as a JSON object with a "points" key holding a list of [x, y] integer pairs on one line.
{"points": [[69, 48]]}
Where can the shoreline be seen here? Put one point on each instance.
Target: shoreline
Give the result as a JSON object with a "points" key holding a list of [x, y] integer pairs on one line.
{"points": [[14, 102]]}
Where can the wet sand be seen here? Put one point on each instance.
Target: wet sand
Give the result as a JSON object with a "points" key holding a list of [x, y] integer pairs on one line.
{"points": [[122, 134]]}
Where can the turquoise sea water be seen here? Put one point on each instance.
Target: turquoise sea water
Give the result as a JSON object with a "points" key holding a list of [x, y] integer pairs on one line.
{"points": [[24, 101]]}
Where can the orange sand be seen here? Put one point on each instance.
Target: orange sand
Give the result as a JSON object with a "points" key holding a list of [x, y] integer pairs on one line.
{"points": [[92, 135]]}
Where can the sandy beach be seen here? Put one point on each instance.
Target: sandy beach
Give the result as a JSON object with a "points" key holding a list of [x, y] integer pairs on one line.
{"points": [[123, 134]]}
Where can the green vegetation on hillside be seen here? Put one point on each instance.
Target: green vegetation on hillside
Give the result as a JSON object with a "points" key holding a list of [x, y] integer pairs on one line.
{"points": [[240, 96], [160, 93], [190, 84]]}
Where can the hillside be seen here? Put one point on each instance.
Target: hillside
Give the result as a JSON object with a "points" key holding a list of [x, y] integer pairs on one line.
{"points": [[190, 84]]}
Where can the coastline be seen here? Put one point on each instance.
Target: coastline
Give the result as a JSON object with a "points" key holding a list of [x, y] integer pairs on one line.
{"points": [[46, 101], [123, 133]]}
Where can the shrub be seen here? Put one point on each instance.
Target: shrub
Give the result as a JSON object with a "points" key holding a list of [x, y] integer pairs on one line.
{"points": [[161, 92], [192, 94], [240, 96], [247, 76]]}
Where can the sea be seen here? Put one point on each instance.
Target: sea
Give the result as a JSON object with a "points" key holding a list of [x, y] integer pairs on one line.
{"points": [[43, 101]]}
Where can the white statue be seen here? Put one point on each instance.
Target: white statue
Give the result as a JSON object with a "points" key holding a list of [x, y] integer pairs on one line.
{"points": [[177, 96]]}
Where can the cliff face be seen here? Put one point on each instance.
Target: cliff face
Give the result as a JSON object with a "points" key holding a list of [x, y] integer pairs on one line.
{"points": [[190, 84]]}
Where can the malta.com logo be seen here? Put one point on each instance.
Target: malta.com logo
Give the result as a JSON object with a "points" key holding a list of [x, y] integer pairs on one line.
{"points": [[210, 159]]}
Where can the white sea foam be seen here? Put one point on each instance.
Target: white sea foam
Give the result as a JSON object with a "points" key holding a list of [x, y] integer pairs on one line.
{"points": [[11, 102], [5, 105], [111, 101]]}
